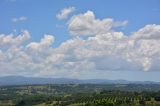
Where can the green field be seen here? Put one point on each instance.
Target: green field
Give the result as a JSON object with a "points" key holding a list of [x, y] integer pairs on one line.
{"points": [[81, 95]]}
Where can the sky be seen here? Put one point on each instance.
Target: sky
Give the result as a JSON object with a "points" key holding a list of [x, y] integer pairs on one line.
{"points": [[84, 39]]}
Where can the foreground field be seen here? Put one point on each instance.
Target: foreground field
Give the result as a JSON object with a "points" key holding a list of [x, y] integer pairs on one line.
{"points": [[81, 95]]}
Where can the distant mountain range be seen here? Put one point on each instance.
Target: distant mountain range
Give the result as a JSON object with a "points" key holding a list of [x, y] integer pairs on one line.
{"points": [[19, 80]]}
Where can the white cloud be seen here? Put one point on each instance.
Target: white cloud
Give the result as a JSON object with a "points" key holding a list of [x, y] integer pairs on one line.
{"points": [[46, 41], [11, 40], [22, 18], [148, 32], [101, 52], [65, 13], [39, 50], [86, 24], [120, 23]]}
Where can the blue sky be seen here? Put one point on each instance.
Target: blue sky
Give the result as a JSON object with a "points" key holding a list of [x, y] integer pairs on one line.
{"points": [[42, 14], [38, 17]]}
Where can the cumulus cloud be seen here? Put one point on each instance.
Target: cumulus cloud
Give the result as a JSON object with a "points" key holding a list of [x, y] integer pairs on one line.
{"points": [[11, 40], [64, 13], [18, 57], [45, 42], [86, 24], [22, 18], [38, 51], [101, 52], [148, 32]]}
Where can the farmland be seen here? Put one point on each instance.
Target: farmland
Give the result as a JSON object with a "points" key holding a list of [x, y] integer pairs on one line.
{"points": [[81, 95]]}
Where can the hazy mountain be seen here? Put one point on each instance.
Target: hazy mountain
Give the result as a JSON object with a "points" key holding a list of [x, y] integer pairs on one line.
{"points": [[19, 80]]}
